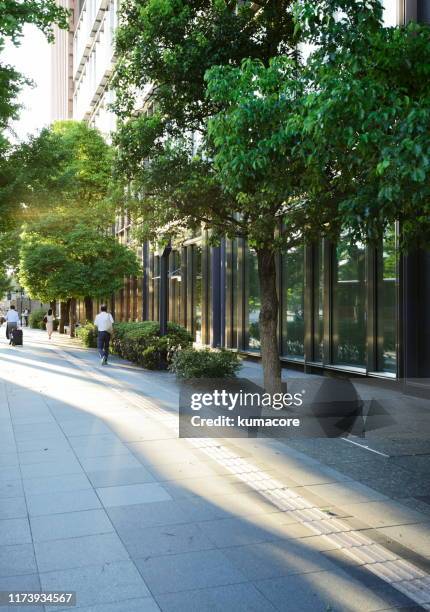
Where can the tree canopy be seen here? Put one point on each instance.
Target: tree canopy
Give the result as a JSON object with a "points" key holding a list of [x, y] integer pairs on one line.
{"points": [[14, 15], [67, 248], [366, 119]]}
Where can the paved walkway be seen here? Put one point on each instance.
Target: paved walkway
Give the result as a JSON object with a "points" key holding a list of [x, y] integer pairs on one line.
{"points": [[99, 496]]}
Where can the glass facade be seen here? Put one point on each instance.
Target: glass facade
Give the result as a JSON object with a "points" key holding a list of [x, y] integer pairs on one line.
{"points": [[175, 286], [293, 303], [387, 303], [318, 304], [349, 304], [254, 302], [338, 302], [197, 287]]}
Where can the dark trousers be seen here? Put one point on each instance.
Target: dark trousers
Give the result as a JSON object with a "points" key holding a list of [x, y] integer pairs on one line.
{"points": [[103, 340], [9, 328]]}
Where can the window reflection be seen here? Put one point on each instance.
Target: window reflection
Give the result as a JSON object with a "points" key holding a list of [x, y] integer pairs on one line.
{"points": [[197, 292], [386, 303], [318, 293], [175, 284], [156, 288], [349, 304], [293, 321], [254, 302]]}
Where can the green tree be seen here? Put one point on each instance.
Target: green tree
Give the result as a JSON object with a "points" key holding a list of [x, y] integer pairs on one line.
{"points": [[73, 261], [62, 182], [5, 284], [14, 15], [185, 178], [367, 117]]}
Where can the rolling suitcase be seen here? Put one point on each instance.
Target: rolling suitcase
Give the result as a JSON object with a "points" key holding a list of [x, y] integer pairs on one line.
{"points": [[16, 337]]}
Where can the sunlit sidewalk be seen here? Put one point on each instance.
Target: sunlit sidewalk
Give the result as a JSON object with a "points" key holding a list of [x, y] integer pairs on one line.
{"points": [[98, 496]]}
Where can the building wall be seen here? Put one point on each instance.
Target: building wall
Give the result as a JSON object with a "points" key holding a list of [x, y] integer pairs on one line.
{"points": [[61, 69]]}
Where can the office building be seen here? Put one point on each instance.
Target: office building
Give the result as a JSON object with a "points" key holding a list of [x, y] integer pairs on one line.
{"points": [[356, 310]]}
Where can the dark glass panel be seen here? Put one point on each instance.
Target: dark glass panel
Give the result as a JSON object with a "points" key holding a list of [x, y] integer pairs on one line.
{"points": [[254, 302], [293, 327], [387, 303], [349, 304]]}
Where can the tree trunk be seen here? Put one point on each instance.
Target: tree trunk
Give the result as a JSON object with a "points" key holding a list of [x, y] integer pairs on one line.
{"points": [[63, 315], [53, 305], [72, 317], [269, 321], [88, 309]]}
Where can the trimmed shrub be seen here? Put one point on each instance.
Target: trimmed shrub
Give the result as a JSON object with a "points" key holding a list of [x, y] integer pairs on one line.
{"points": [[205, 363], [141, 343], [87, 334], [35, 319]]}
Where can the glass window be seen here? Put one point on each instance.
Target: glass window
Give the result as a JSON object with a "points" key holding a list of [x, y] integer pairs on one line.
{"points": [[254, 302], [197, 292], [349, 304], [235, 289], [156, 288], [386, 303], [175, 284], [318, 303], [423, 11], [293, 279]]}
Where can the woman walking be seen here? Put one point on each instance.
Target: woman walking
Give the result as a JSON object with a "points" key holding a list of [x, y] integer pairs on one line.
{"points": [[49, 320]]}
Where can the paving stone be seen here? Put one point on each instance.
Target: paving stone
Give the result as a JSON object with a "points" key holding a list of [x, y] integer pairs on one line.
{"points": [[10, 488], [192, 570], [48, 456], [322, 591], [133, 494], [278, 558], [17, 560], [109, 463], [242, 597], [26, 583], [143, 604], [10, 473], [8, 460], [48, 469], [139, 516], [14, 531], [125, 476], [112, 582], [60, 502], [56, 484], [345, 493], [79, 552], [70, 525], [235, 532], [13, 507], [163, 540]]}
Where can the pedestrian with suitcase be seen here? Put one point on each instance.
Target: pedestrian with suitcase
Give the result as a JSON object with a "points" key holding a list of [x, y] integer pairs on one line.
{"points": [[12, 320]]}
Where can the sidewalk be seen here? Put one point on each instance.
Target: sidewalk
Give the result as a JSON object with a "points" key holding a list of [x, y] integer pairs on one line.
{"points": [[99, 496]]}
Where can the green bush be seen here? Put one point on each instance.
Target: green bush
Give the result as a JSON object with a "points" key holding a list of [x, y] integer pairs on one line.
{"points": [[35, 320], [141, 343], [205, 363], [87, 334]]}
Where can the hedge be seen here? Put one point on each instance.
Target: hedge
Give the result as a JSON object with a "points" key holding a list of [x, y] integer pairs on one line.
{"points": [[141, 343], [205, 363], [87, 334]]}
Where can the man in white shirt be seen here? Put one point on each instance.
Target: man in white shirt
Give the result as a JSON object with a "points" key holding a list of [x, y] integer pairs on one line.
{"points": [[104, 323], [12, 320]]}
